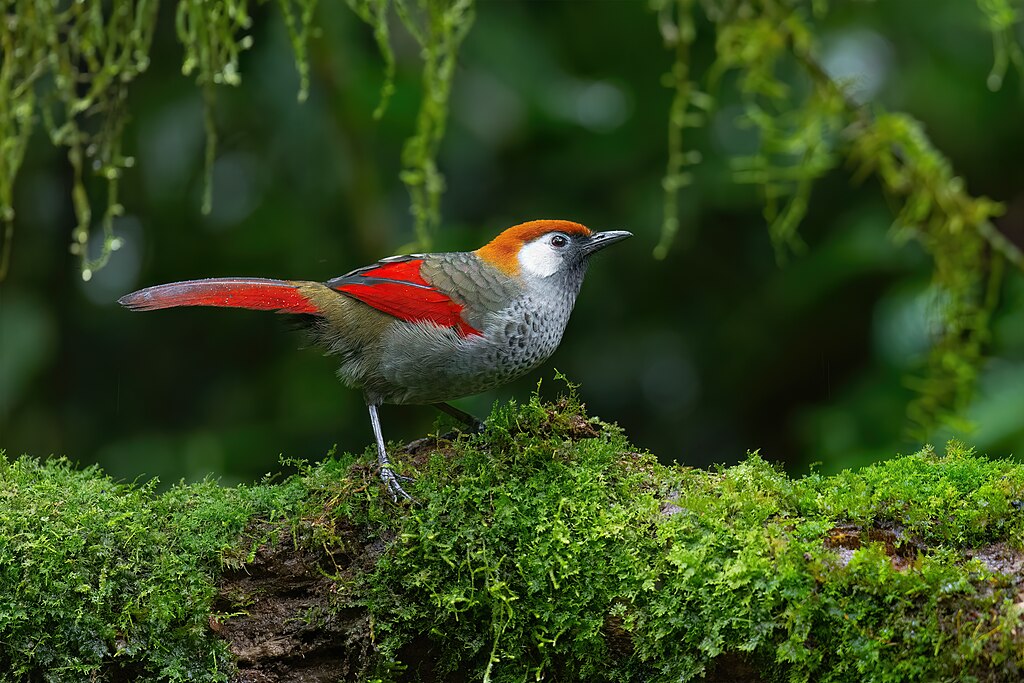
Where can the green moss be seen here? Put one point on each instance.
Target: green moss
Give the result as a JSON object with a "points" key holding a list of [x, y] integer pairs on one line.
{"points": [[549, 549], [546, 548], [958, 498], [749, 569], [522, 550], [99, 577]]}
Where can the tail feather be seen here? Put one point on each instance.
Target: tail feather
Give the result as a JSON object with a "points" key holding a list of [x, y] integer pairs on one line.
{"points": [[254, 293]]}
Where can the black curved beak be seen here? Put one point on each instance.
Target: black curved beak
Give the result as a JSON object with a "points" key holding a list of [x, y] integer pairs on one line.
{"points": [[599, 240]]}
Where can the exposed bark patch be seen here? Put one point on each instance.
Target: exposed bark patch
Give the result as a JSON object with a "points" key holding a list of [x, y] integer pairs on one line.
{"points": [[285, 620], [999, 558], [733, 668], [669, 508], [901, 548], [619, 639]]}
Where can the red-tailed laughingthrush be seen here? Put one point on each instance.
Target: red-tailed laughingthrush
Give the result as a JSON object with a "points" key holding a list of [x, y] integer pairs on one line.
{"points": [[425, 328]]}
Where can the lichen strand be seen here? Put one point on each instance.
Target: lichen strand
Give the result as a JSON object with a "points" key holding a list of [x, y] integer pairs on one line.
{"points": [[209, 32], [375, 13], [675, 21], [798, 139], [70, 64], [808, 125], [214, 34], [1002, 17], [546, 548], [439, 26], [952, 226]]}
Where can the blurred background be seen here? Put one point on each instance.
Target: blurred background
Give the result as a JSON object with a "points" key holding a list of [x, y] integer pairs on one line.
{"points": [[558, 111]]}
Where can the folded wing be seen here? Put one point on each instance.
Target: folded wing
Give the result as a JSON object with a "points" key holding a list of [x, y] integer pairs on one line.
{"points": [[395, 286]]}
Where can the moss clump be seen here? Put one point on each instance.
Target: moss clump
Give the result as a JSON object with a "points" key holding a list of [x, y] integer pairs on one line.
{"points": [[545, 548], [525, 540], [548, 549], [101, 580], [957, 498], [859, 577]]}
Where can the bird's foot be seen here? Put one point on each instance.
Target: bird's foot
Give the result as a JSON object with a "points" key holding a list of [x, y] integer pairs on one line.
{"points": [[387, 475], [391, 483]]}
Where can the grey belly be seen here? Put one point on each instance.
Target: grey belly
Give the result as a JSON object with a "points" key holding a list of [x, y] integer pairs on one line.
{"points": [[431, 365]]}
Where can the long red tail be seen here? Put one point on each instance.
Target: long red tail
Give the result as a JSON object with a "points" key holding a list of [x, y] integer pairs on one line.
{"points": [[256, 293]]}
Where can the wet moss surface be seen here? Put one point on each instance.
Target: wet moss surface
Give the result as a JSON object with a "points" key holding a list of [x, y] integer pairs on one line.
{"points": [[546, 548]]}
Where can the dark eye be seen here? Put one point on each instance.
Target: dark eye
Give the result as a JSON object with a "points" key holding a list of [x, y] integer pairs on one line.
{"points": [[559, 241]]}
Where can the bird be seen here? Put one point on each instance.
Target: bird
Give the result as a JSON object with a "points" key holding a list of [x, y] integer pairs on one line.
{"points": [[429, 328]]}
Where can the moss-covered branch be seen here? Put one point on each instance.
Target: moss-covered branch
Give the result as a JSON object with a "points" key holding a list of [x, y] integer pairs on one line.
{"points": [[546, 548]]}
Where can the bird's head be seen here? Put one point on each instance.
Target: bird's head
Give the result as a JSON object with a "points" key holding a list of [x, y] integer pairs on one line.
{"points": [[544, 248]]}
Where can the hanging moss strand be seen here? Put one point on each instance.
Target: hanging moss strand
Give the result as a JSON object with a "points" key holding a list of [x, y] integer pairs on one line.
{"points": [[445, 24]]}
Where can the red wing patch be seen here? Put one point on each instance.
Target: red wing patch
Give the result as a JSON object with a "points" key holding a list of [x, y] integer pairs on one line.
{"points": [[398, 289]]}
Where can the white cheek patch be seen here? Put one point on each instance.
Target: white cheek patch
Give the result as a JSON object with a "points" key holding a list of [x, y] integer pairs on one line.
{"points": [[538, 258]]}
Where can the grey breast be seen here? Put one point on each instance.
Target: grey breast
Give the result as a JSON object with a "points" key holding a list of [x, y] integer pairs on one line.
{"points": [[521, 325]]}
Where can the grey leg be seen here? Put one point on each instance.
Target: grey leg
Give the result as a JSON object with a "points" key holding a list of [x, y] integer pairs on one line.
{"points": [[387, 475], [461, 415]]}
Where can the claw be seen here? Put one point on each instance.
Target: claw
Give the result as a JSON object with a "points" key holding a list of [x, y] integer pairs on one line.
{"points": [[394, 488]]}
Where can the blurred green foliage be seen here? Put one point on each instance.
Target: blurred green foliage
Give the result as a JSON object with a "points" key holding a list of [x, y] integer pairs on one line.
{"points": [[807, 127], [556, 110]]}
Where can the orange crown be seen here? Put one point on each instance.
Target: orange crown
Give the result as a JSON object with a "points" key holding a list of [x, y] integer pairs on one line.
{"points": [[503, 251]]}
